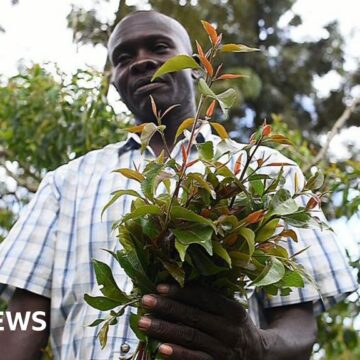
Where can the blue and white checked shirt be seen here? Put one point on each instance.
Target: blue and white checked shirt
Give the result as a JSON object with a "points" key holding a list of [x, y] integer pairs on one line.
{"points": [[50, 248]]}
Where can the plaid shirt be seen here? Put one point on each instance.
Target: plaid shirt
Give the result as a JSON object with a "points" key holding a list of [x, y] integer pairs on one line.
{"points": [[50, 248]]}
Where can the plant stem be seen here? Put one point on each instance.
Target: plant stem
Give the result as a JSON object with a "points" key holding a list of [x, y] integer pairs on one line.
{"points": [[248, 161], [176, 191]]}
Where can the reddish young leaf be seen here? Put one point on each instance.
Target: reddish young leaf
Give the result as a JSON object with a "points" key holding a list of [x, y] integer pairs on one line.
{"points": [[211, 108], [265, 247], [312, 203], [153, 106], [266, 131], [199, 49], [207, 65], [191, 163], [230, 76], [255, 217], [280, 164], [184, 154], [281, 139], [205, 213], [237, 166], [289, 233], [211, 32], [231, 239]]}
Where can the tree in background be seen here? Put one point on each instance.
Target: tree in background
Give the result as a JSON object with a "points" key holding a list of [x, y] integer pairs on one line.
{"points": [[47, 118]]}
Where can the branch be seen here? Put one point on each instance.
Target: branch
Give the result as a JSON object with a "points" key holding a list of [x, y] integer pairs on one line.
{"points": [[339, 123], [19, 180]]}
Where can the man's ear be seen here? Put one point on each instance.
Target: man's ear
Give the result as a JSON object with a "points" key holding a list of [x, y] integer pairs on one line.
{"points": [[195, 73]]}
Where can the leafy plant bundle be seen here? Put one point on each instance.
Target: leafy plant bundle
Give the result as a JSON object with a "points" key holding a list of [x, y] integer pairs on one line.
{"points": [[220, 227]]}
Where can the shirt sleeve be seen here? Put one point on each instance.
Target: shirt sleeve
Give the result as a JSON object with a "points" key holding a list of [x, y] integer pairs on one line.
{"points": [[325, 260], [27, 253]]}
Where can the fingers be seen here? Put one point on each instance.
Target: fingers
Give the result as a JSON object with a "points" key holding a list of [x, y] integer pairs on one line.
{"points": [[176, 352], [177, 312], [183, 336], [206, 300]]}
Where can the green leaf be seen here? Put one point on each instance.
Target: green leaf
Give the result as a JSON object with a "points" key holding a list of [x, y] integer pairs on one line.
{"points": [[282, 203], [205, 90], [225, 146], [181, 249], [303, 220], [249, 236], [257, 186], [292, 279], [150, 227], [206, 150], [203, 183], [134, 319], [220, 130], [132, 266], [204, 263], [101, 303], [142, 211], [220, 251], [146, 135], [175, 271], [109, 287], [184, 125], [239, 259], [131, 174], [103, 334], [237, 48], [266, 231], [178, 212], [274, 271], [96, 322], [148, 186], [200, 235], [315, 182], [176, 63], [116, 195], [226, 100]]}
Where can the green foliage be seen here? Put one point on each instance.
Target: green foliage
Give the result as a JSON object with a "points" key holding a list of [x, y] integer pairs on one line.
{"points": [[47, 119], [218, 228]]}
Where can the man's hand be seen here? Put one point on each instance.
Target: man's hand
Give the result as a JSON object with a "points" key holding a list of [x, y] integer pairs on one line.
{"points": [[196, 324]]}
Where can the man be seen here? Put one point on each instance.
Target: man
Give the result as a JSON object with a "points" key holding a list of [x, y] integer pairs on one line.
{"points": [[47, 256]]}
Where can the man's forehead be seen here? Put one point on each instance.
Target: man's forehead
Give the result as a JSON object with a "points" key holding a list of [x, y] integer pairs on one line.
{"points": [[144, 24]]}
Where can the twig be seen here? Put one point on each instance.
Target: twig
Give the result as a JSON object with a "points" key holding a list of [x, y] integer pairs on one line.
{"points": [[19, 180], [335, 129]]}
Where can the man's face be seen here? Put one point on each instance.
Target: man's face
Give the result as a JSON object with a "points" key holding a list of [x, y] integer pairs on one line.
{"points": [[141, 44]]}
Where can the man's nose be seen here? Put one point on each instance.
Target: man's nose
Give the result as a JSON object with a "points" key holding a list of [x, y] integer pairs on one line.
{"points": [[143, 64]]}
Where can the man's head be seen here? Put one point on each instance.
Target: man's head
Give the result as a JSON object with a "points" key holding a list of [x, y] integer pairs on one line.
{"points": [[138, 46]]}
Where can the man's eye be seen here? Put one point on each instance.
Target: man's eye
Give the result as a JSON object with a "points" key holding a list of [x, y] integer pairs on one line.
{"points": [[122, 59], [159, 47]]}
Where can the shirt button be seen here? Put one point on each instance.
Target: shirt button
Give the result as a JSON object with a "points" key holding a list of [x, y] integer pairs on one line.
{"points": [[125, 348]]}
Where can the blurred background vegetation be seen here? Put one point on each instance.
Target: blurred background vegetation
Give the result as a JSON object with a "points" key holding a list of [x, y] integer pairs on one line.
{"points": [[48, 117]]}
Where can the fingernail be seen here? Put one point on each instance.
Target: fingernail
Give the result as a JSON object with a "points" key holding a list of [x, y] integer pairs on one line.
{"points": [[149, 301], [144, 323], [163, 288], [165, 350]]}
